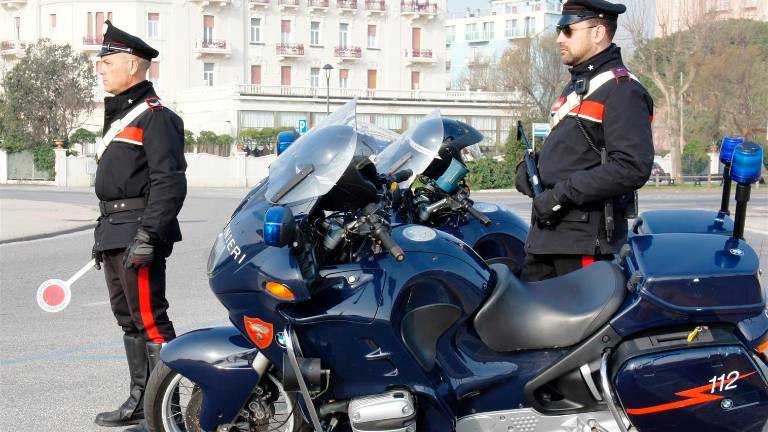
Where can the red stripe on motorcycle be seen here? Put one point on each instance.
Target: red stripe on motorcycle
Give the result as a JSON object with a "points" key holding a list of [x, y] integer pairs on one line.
{"points": [[145, 306], [695, 396], [586, 260]]}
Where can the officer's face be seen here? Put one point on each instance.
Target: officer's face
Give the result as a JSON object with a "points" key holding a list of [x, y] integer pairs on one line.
{"points": [[579, 42], [117, 72]]}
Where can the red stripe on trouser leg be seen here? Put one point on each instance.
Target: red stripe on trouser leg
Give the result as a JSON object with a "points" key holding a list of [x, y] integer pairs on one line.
{"points": [[586, 260], [146, 307]]}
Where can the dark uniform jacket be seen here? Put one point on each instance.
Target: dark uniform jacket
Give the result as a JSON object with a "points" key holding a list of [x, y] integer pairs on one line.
{"points": [[145, 160], [618, 117]]}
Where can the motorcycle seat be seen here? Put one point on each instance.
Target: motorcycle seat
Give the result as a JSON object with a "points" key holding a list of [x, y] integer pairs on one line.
{"points": [[553, 313]]}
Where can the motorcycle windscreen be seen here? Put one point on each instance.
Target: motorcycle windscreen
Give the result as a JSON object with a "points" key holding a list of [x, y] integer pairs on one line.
{"points": [[310, 167], [415, 150]]}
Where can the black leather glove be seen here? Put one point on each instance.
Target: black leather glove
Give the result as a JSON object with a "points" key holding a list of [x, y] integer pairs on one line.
{"points": [[546, 208], [522, 181], [98, 256], [140, 253]]}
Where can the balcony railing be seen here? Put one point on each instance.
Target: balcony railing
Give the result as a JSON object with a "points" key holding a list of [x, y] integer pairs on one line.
{"points": [[12, 4], [479, 61], [514, 33], [479, 36], [93, 40], [285, 4], [348, 52], [212, 47], [364, 93], [419, 53], [347, 4], [318, 4], [259, 3], [13, 48], [418, 8], [289, 50], [375, 5], [205, 3]]}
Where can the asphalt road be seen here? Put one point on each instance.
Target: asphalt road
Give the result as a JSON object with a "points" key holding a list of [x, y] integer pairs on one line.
{"points": [[58, 370]]}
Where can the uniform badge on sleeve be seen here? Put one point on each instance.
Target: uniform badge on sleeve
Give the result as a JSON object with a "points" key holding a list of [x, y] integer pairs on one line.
{"points": [[154, 104]]}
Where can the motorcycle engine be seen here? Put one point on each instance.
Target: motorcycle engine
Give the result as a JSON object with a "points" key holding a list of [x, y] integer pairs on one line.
{"points": [[393, 411]]}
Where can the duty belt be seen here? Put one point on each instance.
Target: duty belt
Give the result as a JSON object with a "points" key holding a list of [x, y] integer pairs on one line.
{"points": [[109, 207]]}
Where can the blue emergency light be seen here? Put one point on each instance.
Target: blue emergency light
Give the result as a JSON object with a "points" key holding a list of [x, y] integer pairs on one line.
{"points": [[285, 139], [747, 163], [727, 148], [278, 226]]}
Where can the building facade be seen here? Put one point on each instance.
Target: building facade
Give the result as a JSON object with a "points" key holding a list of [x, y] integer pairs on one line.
{"points": [[676, 15], [226, 65], [478, 37]]}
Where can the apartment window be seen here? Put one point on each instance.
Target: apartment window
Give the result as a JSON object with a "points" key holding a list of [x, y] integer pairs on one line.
{"points": [[725, 4], [153, 25], [470, 31], [285, 75], [255, 30], [17, 27], [415, 80], [530, 25], [314, 77], [371, 79], [154, 73], [208, 28], [343, 35], [285, 31], [208, 74], [450, 35], [314, 33], [99, 24], [488, 32], [53, 24], [256, 74], [343, 78], [372, 39]]}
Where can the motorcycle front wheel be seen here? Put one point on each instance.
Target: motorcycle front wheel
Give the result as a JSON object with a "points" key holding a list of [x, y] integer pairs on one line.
{"points": [[172, 404]]}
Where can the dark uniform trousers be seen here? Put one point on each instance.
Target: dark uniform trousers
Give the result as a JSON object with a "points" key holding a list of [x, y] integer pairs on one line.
{"points": [[137, 297]]}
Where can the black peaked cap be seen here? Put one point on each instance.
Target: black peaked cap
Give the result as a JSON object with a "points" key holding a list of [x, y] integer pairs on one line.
{"points": [[580, 10], [118, 41]]}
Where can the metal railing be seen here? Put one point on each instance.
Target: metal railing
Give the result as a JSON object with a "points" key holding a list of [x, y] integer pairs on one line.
{"points": [[364, 93], [348, 52], [288, 2], [318, 3], [479, 36], [212, 44], [13, 45], [514, 32], [93, 40], [418, 53], [418, 8], [288, 49], [376, 5], [260, 2], [346, 4]]}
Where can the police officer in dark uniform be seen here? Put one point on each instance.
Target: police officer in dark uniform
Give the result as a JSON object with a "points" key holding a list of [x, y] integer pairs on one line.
{"points": [[141, 186], [598, 153]]}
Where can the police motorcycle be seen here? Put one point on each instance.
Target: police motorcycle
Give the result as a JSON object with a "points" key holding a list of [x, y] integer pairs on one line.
{"points": [[443, 199], [405, 328]]}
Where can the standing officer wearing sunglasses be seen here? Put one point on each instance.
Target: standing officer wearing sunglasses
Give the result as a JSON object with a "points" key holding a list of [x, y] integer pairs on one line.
{"points": [[598, 153], [141, 186]]}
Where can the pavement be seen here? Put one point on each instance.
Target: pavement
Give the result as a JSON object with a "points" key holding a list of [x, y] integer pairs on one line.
{"points": [[27, 220], [58, 370]]}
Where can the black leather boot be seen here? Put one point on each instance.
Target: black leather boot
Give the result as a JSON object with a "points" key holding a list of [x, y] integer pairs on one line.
{"points": [[153, 356], [132, 410]]}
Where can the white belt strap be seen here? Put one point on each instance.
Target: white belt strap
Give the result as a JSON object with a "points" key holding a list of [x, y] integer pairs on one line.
{"points": [[574, 100], [119, 125]]}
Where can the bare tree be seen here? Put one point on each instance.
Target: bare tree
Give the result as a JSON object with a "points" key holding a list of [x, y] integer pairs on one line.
{"points": [[533, 68], [671, 61]]}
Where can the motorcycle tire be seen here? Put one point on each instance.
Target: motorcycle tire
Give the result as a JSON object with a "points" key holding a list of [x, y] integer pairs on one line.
{"points": [[162, 396]]}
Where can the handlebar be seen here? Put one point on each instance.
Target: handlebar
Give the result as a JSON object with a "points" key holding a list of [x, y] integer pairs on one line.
{"points": [[478, 214], [381, 234]]}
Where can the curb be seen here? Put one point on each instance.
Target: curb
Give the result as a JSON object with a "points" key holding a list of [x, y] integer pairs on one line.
{"points": [[47, 235]]}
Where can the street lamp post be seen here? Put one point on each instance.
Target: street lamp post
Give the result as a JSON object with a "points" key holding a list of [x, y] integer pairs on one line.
{"points": [[327, 68]]}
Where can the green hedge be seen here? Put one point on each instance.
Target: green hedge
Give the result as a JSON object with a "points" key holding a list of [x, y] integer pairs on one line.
{"points": [[491, 174]]}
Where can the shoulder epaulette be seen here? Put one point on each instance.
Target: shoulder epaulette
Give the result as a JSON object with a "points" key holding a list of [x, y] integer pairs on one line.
{"points": [[154, 104]]}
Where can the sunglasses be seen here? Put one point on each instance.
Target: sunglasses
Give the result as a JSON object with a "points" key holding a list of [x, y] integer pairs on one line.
{"points": [[567, 30]]}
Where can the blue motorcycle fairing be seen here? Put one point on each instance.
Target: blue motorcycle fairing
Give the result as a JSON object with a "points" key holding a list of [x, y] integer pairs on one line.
{"points": [[682, 221], [219, 361]]}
